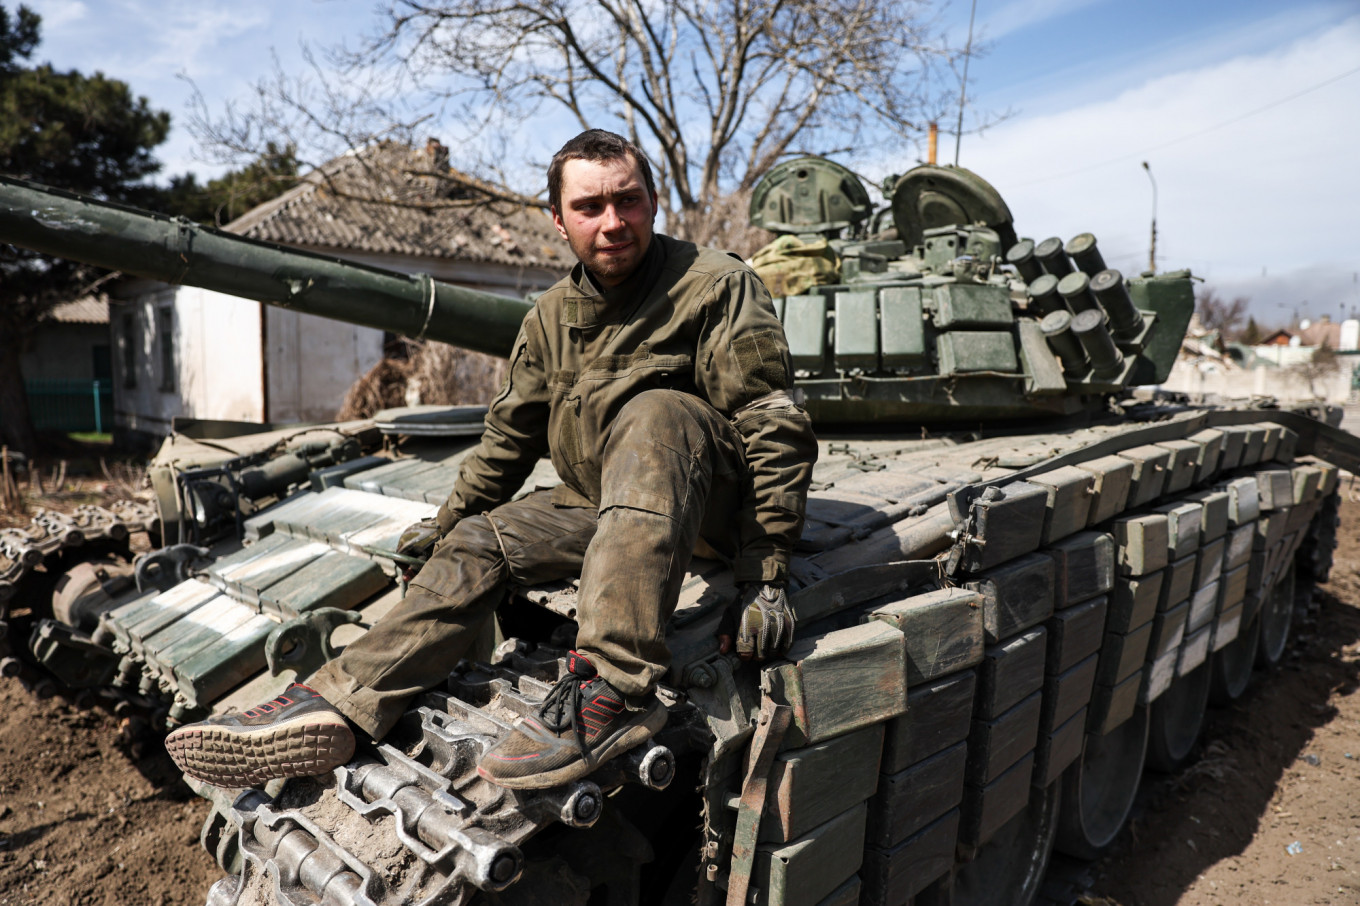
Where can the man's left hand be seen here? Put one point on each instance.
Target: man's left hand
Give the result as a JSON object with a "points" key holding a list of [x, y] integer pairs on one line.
{"points": [[762, 621], [418, 541]]}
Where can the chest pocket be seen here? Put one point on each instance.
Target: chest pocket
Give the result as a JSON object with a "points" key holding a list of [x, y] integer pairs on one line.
{"points": [[642, 371]]}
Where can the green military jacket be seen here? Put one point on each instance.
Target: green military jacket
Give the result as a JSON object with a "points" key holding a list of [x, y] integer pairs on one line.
{"points": [[690, 319]]}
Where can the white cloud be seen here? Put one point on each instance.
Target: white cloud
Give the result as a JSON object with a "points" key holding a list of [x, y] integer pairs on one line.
{"points": [[58, 13], [174, 38], [1021, 14], [1270, 190], [1060, 71], [224, 48]]}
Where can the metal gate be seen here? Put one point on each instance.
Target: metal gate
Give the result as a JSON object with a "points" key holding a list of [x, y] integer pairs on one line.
{"points": [[62, 405]]}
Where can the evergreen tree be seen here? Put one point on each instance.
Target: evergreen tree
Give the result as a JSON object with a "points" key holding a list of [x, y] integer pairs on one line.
{"points": [[227, 197], [84, 133]]}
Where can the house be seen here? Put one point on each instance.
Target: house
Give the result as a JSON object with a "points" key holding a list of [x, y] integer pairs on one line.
{"points": [[1340, 337], [189, 352], [1326, 332], [71, 343], [1284, 365], [67, 355]]}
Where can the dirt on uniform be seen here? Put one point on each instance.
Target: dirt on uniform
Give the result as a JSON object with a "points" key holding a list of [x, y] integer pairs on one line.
{"points": [[1270, 814]]}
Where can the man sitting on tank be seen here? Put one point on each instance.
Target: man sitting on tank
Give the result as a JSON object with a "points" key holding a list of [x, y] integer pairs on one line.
{"points": [[657, 377]]}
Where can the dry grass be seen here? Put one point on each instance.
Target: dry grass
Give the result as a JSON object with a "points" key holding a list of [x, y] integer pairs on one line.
{"points": [[56, 487], [432, 373], [11, 499]]}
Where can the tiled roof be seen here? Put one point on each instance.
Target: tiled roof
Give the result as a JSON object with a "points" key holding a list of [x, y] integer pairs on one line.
{"points": [[1319, 332], [377, 201], [85, 310]]}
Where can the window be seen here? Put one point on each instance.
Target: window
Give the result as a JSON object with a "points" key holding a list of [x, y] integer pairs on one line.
{"points": [[127, 346], [165, 337]]}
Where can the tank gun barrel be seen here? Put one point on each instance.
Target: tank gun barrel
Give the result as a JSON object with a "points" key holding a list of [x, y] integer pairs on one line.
{"points": [[176, 250]]}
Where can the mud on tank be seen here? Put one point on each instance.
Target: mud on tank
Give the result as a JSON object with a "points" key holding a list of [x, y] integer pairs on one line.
{"points": [[1018, 584]]}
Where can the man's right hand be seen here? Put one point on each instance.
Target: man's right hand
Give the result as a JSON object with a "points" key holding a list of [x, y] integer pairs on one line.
{"points": [[417, 542], [761, 622]]}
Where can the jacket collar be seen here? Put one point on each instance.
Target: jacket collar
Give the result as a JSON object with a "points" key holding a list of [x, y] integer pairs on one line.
{"points": [[587, 306]]}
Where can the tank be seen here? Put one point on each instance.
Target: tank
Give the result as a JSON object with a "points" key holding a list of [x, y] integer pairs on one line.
{"points": [[1020, 583]]}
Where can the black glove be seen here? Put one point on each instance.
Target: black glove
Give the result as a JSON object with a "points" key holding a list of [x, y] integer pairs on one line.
{"points": [[762, 622], [417, 542]]}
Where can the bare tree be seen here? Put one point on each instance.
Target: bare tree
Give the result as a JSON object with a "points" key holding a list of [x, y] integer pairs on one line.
{"points": [[1322, 364], [1215, 313], [716, 91]]}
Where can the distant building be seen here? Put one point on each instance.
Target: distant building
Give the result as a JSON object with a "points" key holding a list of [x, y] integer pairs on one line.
{"points": [[1323, 332], [67, 355], [1342, 337], [1283, 365], [71, 343], [190, 352]]}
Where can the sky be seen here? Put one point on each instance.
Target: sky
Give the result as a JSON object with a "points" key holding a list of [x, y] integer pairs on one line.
{"points": [[1247, 113]]}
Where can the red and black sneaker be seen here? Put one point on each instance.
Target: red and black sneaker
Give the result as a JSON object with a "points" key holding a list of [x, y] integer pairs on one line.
{"points": [[583, 723], [298, 734]]}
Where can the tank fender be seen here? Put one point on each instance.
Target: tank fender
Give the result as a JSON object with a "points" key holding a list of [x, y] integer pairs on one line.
{"points": [[1314, 438]]}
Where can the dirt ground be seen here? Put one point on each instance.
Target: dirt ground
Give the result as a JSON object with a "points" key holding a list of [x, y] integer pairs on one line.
{"points": [[1269, 815]]}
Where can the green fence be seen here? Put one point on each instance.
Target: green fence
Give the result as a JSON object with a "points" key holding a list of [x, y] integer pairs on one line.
{"points": [[58, 405]]}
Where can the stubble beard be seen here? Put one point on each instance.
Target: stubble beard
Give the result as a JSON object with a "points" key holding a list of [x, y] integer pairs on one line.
{"points": [[612, 268]]}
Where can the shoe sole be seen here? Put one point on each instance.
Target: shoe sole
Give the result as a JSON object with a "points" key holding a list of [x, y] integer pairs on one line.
{"points": [[238, 758], [632, 736]]}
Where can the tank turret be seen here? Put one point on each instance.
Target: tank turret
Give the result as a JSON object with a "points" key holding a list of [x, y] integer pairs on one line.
{"points": [[939, 314]]}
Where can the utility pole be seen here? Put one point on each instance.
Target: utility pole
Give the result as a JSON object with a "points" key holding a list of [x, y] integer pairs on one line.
{"points": [[1297, 308], [1152, 249]]}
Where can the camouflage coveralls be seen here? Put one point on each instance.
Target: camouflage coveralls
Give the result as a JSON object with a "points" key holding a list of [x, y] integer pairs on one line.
{"points": [[664, 405]]}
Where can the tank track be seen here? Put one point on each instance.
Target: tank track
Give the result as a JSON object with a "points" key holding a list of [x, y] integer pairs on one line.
{"points": [[455, 834], [51, 534], [33, 557]]}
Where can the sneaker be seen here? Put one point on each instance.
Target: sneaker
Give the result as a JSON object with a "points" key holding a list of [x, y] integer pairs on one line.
{"points": [[298, 734], [583, 723]]}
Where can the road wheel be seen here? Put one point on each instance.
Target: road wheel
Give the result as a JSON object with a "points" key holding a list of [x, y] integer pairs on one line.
{"points": [[1098, 789], [1009, 868], [1233, 664], [1177, 719], [1277, 614]]}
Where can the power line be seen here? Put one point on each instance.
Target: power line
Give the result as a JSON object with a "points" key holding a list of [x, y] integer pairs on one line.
{"points": [[1189, 135]]}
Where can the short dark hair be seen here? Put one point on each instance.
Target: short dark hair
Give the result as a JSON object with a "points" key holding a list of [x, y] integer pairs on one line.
{"points": [[595, 145]]}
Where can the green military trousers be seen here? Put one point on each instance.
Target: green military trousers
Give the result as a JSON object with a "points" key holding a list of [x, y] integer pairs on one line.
{"points": [[673, 471]]}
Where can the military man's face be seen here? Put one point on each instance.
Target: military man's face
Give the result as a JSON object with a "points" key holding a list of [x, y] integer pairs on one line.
{"points": [[606, 216]]}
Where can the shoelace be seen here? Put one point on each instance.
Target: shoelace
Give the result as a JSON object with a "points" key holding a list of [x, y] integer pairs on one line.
{"points": [[565, 700]]}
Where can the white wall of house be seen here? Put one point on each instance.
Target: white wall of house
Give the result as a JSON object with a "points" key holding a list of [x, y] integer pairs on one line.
{"points": [[184, 351], [230, 359], [217, 343], [311, 362], [233, 359]]}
